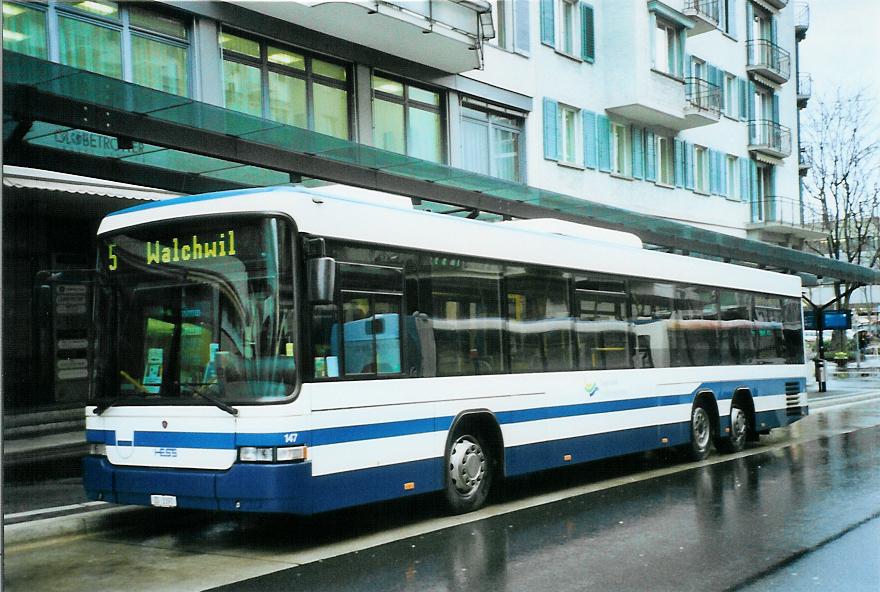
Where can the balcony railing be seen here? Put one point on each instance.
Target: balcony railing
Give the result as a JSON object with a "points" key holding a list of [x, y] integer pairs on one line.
{"points": [[801, 19], [783, 211], [705, 14], [780, 4], [804, 160], [703, 96], [770, 138], [804, 88], [769, 59]]}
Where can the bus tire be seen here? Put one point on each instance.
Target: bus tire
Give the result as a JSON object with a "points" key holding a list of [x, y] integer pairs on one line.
{"points": [[469, 473], [701, 433], [739, 430]]}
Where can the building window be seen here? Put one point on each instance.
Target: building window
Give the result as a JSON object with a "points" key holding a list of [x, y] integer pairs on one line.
{"points": [[285, 85], [570, 134], [568, 27], [143, 46], [621, 159], [730, 95], [491, 142], [407, 119], [667, 49], [665, 161], [731, 189], [701, 169], [24, 30], [502, 10]]}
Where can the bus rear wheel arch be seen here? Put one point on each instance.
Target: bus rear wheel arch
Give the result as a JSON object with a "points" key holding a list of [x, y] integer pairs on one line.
{"points": [[742, 423], [472, 461]]}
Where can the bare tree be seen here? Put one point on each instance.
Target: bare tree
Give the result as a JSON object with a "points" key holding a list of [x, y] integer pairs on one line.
{"points": [[844, 181]]}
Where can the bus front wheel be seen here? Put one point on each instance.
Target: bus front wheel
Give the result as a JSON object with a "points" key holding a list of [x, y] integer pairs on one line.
{"points": [[701, 433], [469, 475]]}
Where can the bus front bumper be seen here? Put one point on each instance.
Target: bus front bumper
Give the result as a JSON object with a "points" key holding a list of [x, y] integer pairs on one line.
{"points": [[244, 487]]}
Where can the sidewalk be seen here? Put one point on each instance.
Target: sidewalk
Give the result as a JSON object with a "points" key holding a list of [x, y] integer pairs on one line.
{"points": [[43, 495]]}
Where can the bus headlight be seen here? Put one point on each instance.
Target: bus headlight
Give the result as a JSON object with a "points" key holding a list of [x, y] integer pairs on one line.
{"points": [[261, 454], [96, 449], [255, 454]]}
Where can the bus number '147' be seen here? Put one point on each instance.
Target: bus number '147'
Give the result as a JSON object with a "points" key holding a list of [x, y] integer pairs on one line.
{"points": [[290, 438]]}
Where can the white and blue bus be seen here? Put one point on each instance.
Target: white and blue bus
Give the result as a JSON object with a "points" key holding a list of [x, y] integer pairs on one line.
{"points": [[302, 350]]}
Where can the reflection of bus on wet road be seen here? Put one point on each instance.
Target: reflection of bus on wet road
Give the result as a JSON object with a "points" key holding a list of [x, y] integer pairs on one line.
{"points": [[337, 352]]}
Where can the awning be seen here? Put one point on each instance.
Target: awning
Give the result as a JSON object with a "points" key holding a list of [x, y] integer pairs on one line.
{"points": [[43, 180]]}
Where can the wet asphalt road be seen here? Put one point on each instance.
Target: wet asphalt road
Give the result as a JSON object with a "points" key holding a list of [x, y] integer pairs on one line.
{"points": [[720, 527], [806, 497]]}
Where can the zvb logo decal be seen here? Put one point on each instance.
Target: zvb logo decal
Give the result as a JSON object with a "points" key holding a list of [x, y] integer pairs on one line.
{"points": [[591, 389]]}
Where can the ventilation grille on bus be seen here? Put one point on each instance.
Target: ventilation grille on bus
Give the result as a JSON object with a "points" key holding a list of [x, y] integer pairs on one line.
{"points": [[792, 398]]}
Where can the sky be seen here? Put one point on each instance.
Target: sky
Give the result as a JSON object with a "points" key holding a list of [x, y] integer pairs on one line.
{"points": [[842, 47]]}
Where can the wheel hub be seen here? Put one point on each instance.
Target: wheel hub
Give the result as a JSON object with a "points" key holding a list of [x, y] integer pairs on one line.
{"points": [[701, 428], [738, 423], [467, 465]]}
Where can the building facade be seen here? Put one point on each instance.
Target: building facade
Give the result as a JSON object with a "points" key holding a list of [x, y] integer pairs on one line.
{"points": [[686, 110]]}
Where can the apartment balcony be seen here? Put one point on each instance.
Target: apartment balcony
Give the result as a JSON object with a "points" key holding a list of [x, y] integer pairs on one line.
{"points": [[704, 13], [702, 102], [775, 215], [801, 20], [804, 161], [804, 89], [777, 4], [444, 34], [769, 60], [665, 101], [769, 138]]}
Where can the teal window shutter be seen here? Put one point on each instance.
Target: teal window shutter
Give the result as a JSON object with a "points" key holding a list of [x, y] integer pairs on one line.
{"points": [[588, 34], [650, 157], [521, 37], [712, 73], [753, 184], [775, 108], [551, 129], [750, 16], [713, 170], [743, 99], [590, 150], [679, 163], [548, 22], [638, 153], [604, 132], [688, 65], [722, 189], [744, 187], [688, 165], [773, 33], [751, 92]]}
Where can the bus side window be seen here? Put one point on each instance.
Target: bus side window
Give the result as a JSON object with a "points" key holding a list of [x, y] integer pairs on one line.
{"points": [[371, 333]]}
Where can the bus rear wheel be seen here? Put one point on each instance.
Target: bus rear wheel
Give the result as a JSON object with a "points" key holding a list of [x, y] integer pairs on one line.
{"points": [[739, 430], [469, 472], [701, 433]]}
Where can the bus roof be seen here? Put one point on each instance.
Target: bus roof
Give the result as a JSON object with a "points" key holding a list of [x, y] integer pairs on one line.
{"points": [[336, 212]]}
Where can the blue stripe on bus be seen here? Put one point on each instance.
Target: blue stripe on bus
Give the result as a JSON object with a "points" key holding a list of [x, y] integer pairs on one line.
{"points": [[209, 440], [355, 433]]}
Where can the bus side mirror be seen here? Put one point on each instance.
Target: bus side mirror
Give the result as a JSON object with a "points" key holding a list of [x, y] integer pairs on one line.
{"points": [[321, 272]]}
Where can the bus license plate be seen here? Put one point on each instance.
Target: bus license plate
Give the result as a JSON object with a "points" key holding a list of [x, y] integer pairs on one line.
{"points": [[164, 501]]}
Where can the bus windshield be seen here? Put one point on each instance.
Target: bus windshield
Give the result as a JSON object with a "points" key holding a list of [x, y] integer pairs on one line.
{"points": [[197, 310]]}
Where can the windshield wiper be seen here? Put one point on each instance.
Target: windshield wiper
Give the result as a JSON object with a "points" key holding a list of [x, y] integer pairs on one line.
{"points": [[203, 393]]}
